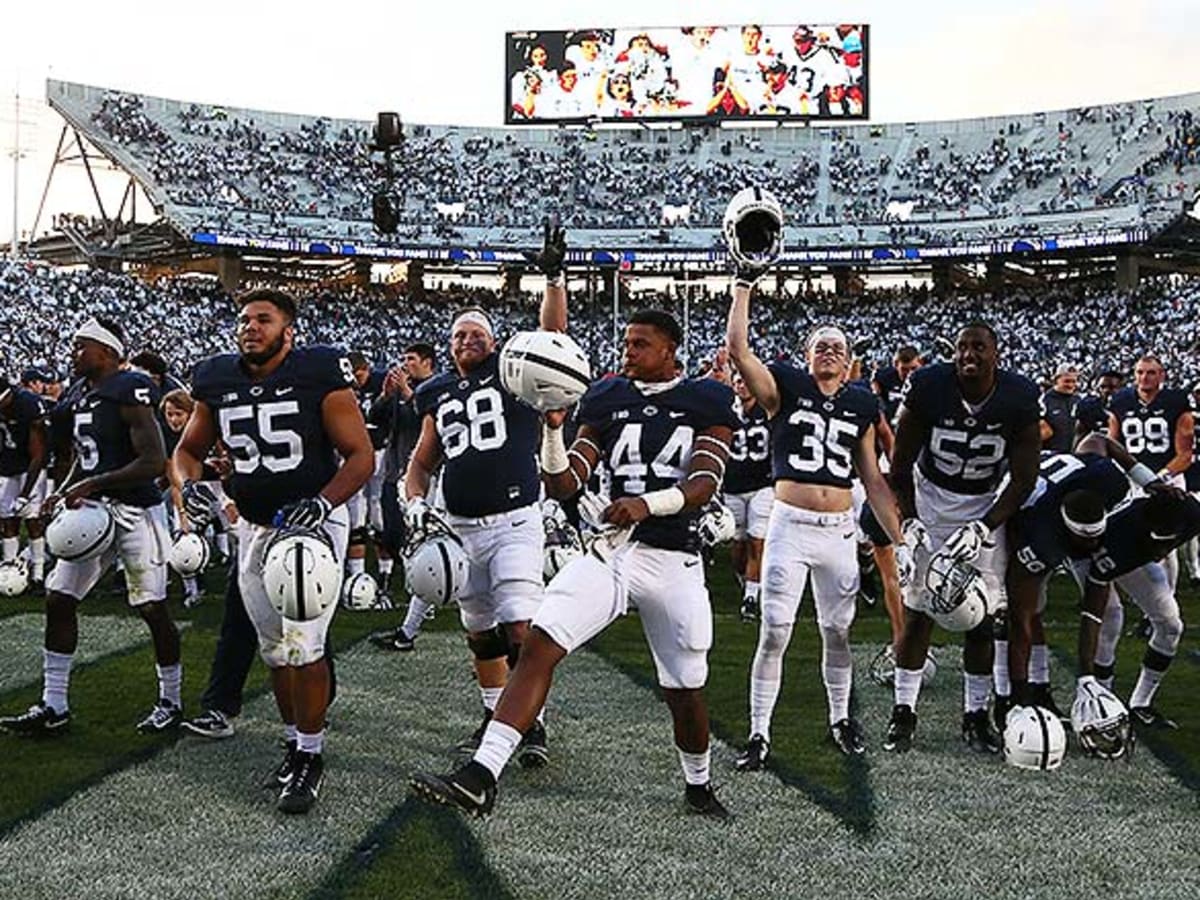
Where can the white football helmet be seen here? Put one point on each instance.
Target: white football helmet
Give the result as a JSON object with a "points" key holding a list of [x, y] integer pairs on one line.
{"points": [[81, 533], [189, 554], [437, 568], [301, 574], [753, 228], [1034, 739], [1101, 722], [956, 597], [14, 578], [360, 592], [544, 369], [716, 525]]}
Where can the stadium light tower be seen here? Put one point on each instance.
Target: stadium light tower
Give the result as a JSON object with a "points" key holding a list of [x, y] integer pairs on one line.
{"points": [[388, 137]]}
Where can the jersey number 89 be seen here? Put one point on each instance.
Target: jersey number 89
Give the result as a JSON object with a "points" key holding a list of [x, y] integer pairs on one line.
{"points": [[1146, 435]]}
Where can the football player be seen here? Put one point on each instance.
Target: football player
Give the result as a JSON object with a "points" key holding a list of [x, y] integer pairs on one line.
{"points": [[822, 433], [23, 453], [664, 439], [486, 442], [1155, 424], [286, 414], [1058, 410], [116, 457], [366, 511], [1091, 412], [889, 381], [748, 493], [960, 426], [1138, 537]]}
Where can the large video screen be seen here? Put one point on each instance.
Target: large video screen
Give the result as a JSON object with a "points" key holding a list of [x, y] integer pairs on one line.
{"points": [[699, 72]]}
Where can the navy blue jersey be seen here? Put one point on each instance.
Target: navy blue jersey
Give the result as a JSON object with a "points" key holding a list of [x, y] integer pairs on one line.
{"points": [[749, 466], [1129, 541], [966, 450], [1148, 429], [813, 435], [1058, 411], [15, 424], [1192, 473], [890, 388], [1091, 413], [368, 393], [1041, 540], [101, 436], [489, 441], [273, 428], [646, 443]]}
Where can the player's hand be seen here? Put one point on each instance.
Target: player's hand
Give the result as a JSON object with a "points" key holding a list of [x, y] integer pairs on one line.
{"points": [[51, 505], [554, 418], [198, 502], [396, 381], [1161, 487], [553, 255], [78, 492], [309, 513], [21, 505], [716, 525], [965, 544], [746, 275], [906, 566], [417, 515], [915, 535], [626, 511]]}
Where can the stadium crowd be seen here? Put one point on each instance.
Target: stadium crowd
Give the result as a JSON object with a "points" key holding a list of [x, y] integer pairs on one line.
{"points": [[187, 319]]}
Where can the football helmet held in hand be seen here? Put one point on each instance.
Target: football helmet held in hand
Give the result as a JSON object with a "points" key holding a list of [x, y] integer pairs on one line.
{"points": [[753, 229], [544, 369], [956, 597], [301, 573], [1101, 721]]}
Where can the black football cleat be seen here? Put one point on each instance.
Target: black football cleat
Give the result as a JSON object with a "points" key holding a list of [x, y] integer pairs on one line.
{"points": [[393, 640], [900, 731], [468, 745], [1042, 696], [212, 724], [471, 789], [304, 785], [1000, 709], [978, 733], [754, 757], [282, 773], [533, 752], [165, 716], [39, 720], [847, 736], [1151, 719], [749, 609], [702, 801]]}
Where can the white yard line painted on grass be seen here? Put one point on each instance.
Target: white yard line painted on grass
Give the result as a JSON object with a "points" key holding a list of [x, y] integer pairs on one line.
{"points": [[606, 818], [21, 640]]}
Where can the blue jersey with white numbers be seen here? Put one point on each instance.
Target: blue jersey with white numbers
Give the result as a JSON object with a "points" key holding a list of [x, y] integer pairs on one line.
{"points": [[273, 428], [749, 465], [890, 387], [1129, 542], [813, 435], [368, 393], [101, 436], [966, 450], [15, 424], [489, 441], [646, 443], [1148, 429], [1041, 540]]}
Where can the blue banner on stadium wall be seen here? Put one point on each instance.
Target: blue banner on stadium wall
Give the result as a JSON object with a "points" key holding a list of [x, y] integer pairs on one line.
{"points": [[707, 73]]}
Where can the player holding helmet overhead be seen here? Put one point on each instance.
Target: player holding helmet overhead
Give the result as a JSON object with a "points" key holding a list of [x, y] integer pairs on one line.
{"points": [[960, 426], [486, 442], [822, 433], [287, 415]]}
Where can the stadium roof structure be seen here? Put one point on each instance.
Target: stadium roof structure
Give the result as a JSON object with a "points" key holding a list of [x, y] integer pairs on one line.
{"points": [[1046, 193]]}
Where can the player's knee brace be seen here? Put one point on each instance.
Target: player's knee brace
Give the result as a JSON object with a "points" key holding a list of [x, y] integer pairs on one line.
{"points": [[1166, 635], [773, 639], [835, 648], [490, 644]]}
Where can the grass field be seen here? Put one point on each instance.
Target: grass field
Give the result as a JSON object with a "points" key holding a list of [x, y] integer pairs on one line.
{"points": [[105, 812]]}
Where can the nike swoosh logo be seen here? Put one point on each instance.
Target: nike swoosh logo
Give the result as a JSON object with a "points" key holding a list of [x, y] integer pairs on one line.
{"points": [[676, 415], [279, 392], [694, 562], [486, 380], [519, 523], [477, 799]]}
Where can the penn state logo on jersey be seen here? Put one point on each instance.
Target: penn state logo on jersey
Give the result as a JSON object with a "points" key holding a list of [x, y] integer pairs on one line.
{"points": [[813, 435], [966, 450], [646, 441], [1148, 429], [101, 436], [489, 441], [749, 465], [273, 427], [25, 410]]}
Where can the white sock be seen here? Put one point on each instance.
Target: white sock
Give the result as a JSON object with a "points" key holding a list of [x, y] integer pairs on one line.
{"points": [[838, 680], [190, 587], [354, 565], [750, 591], [908, 687], [763, 694], [385, 566], [1039, 664], [415, 616], [56, 678], [976, 689], [695, 766], [290, 733], [10, 548], [1147, 684], [222, 540], [499, 743], [37, 556], [491, 696], [310, 743], [169, 680], [1000, 669]]}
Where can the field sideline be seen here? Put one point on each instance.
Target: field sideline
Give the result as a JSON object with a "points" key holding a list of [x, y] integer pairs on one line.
{"points": [[104, 812]]}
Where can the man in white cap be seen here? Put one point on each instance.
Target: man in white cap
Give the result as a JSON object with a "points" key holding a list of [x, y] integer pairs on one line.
{"points": [[116, 456]]}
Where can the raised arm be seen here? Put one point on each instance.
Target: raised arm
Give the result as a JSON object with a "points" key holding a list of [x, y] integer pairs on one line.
{"points": [[754, 372], [550, 261]]}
